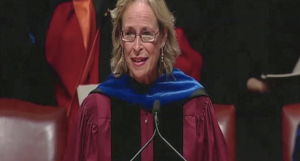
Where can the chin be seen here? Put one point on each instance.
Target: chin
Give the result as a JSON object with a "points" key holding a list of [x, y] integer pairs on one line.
{"points": [[139, 74]]}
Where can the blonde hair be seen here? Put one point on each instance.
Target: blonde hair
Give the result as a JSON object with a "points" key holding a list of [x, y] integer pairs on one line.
{"points": [[165, 20]]}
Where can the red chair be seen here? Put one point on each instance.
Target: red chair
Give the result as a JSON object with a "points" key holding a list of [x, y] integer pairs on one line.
{"points": [[226, 119], [31, 132], [290, 122]]}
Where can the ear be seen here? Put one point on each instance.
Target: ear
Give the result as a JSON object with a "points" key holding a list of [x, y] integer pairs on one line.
{"points": [[164, 39]]}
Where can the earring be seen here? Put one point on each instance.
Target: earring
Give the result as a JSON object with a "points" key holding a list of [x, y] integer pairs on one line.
{"points": [[162, 67]]}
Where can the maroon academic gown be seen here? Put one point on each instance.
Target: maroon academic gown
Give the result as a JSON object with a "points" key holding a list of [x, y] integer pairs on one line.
{"points": [[90, 136]]}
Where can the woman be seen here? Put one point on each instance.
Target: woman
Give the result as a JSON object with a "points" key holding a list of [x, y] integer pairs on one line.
{"points": [[115, 120]]}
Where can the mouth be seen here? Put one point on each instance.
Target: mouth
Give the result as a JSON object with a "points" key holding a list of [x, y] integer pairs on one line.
{"points": [[139, 61]]}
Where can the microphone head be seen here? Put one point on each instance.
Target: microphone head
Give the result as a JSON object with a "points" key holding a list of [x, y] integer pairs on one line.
{"points": [[156, 106]]}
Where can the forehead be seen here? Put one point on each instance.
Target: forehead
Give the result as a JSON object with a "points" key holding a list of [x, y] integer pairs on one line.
{"points": [[139, 15]]}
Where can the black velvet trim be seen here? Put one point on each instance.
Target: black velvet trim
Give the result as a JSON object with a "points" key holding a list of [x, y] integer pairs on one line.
{"points": [[125, 130], [199, 92], [171, 128]]}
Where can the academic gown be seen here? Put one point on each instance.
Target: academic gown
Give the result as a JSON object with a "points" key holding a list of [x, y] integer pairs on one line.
{"points": [[115, 121]]}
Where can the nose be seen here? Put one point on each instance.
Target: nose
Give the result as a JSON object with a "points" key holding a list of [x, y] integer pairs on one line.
{"points": [[137, 43]]}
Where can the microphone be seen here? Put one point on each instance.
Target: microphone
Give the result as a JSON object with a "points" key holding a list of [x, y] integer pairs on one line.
{"points": [[156, 110], [148, 142]]}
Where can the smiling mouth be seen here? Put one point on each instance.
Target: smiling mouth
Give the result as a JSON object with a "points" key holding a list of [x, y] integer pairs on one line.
{"points": [[139, 61]]}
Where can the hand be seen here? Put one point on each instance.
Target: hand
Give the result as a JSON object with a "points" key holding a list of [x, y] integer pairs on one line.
{"points": [[256, 85]]}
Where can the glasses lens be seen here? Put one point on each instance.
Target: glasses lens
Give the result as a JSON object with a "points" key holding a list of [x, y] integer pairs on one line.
{"points": [[128, 35], [147, 36]]}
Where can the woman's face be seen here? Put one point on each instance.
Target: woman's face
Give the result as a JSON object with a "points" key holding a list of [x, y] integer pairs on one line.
{"points": [[142, 52]]}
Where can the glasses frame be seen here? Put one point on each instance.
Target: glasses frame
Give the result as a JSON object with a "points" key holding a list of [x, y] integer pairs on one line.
{"points": [[139, 34]]}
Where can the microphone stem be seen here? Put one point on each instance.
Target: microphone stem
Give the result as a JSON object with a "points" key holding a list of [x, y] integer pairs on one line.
{"points": [[156, 127], [148, 142]]}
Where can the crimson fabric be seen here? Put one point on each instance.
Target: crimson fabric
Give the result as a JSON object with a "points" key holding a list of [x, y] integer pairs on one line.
{"points": [[189, 61], [67, 54], [90, 135]]}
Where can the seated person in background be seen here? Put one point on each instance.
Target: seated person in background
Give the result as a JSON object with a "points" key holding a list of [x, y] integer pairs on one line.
{"points": [[269, 96], [258, 127], [115, 120]]}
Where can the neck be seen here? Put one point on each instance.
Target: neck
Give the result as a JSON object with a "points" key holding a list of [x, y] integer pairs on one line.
{"points": [[146, 80]]}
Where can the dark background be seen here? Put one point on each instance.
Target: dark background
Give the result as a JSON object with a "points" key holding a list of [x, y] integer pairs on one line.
{"points": [[238, 39]]}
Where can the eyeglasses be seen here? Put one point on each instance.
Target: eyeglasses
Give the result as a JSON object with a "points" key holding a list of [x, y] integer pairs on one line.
{"points": [[146, 36]]}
